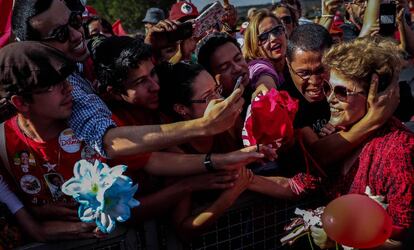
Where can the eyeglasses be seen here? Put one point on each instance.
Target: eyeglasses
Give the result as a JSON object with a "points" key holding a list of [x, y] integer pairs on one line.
{"points": [[307, 74], [59, 87], [340, 92], [286, 19], [275, 31], [216, 94], [61, 33]]}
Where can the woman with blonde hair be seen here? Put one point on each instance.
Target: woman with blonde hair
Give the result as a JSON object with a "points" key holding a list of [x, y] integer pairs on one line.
{"points": [[265, 49]]}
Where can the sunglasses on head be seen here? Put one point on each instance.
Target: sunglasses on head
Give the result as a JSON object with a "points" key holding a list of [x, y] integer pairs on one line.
{"points": [[286, 19], [275, 31], [61, 33], [341, 92]]}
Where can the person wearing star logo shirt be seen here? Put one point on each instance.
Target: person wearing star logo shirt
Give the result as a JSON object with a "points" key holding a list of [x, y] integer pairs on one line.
{"points": [[39, 149]]}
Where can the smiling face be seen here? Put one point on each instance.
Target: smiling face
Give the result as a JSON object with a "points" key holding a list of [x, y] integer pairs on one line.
{"points": [[204, 88], [347, 112], [227, 64], [284, 15], [142, 86], [307, 73], [274, 48], [53, 18]]}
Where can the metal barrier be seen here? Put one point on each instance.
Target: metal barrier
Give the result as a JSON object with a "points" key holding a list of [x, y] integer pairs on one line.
{"points": [[254, 222]]}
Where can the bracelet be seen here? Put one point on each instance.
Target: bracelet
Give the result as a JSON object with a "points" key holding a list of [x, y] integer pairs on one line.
{"points": [[208, 163], [330, 16]]}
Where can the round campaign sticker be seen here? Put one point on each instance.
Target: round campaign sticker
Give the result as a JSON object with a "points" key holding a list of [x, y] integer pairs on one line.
{"points": [[68, 142], [186, 8], [30, 184]]}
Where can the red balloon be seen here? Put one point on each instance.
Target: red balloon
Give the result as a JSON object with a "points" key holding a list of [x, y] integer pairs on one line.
{"points": [[356, 220]]}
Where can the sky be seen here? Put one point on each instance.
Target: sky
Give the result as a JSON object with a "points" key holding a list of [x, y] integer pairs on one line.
{"points": [[201, 3]]}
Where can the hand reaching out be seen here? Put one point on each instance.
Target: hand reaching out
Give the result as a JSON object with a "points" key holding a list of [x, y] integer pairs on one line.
{"points": [[157, 35], [220, 114], [216, 180], [320, 238], [236, 159], [241, 184]]}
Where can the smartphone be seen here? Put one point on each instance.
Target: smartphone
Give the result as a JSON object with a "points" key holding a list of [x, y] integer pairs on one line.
{"points": [[183, 31], [387, 19], [238, 82], [208, 19]]}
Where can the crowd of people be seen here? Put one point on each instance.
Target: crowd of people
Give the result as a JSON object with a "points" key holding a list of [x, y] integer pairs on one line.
{"points": [[168, 107]]}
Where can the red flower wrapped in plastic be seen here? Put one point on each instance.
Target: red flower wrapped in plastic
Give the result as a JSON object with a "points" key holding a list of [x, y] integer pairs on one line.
{"points": [[270, 118]]}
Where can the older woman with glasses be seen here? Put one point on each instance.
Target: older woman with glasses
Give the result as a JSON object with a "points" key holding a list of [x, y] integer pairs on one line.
{"points": [[385, 161]]}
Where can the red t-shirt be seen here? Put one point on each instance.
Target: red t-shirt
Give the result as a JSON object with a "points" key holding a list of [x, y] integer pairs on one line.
{"points": [[386, 165], [39, 169], [124, 115]]}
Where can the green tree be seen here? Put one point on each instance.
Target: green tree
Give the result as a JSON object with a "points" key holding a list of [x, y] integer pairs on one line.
{"points": [[131, 12]]}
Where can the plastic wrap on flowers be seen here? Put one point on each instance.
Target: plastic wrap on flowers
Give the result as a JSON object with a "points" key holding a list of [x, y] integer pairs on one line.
{"points": [[269, 118], [105, 194]]}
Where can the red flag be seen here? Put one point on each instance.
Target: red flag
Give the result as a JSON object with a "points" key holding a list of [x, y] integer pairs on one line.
{"points": [[5, 21], [118, 29]]}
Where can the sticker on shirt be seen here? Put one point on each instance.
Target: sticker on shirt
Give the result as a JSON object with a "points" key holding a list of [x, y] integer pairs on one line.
{"points": [[68, 142], [24, 159], [30, 184], [54, 181], [49, 167]]}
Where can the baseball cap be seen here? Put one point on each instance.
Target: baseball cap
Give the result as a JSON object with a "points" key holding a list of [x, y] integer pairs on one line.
{"points": [[183, 11], [89, 12], [29, 65], [154, 15]]}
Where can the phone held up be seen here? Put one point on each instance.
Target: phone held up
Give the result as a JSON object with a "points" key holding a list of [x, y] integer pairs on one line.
{"points": [[199, 26], [238, 82], [387, 17]]}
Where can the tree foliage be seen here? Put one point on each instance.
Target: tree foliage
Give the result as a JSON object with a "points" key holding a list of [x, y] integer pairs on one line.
{"points": [[131, 12]]}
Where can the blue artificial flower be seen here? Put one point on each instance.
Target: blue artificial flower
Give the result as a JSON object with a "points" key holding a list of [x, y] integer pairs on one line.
{"points": [[104, 194]]}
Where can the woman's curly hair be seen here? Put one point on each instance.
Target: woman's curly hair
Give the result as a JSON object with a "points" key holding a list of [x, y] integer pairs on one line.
{"points": [[359, 59]]}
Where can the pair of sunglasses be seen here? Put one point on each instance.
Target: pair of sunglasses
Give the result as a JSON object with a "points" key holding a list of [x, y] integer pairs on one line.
{"points": [[61, 33], [275, 31], [341, 92]]}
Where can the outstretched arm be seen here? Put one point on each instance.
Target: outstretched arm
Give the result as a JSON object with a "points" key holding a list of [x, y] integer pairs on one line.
{"points": [[406, 33], [161, 202], [176, 164], [371, 15], [219, 116], [191, 225]]}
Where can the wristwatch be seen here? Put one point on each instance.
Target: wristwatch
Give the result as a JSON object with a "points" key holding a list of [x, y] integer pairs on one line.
{"points": [[208, 163]]}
